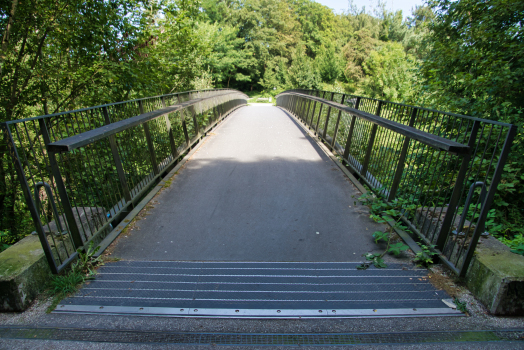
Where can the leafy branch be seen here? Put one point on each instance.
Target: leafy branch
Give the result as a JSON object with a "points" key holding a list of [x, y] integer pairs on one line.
{"points": [[384, 212]]}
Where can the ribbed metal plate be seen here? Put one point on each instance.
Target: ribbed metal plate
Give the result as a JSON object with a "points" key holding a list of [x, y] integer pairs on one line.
{"points": [[252, 289]]}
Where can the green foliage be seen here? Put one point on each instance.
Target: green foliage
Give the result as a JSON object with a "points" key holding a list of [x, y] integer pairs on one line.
{"points": [[474, 65], [224, 56], [461, 305], [376, 259], [516, 244], [4, 235], [396, 248], [384, 212], [303, 73], [425, 257], [86, 262], [330, 63], [67, 283], [275, 76], [81, 270], [390, 73]]}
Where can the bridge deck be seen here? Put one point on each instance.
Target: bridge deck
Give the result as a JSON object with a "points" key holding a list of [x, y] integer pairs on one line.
{"points": [[258, 189]]}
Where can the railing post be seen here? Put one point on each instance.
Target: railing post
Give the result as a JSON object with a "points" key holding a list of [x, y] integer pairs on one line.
{"points": [[62, 192], [489, 199], [184, 126], [357, 103], [305, 119], [172, 143], [457, 190], [195, 121], [337, 124], [369, 150], [318, 120], [327, 118], [149, 141], [326, 124], [31, 204], [300, 107], [402, 160], [371, 141], [350, 133], [118, 161], [379, 108], [350, 137], [310, 120], [215, 114]]}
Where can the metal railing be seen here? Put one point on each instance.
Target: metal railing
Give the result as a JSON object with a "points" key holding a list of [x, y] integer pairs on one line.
{"points": [[429, 157], [99, 162]]}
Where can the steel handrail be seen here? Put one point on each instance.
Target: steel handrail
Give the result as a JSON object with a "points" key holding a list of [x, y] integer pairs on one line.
{"points": [[88, 137], [411, 132]]}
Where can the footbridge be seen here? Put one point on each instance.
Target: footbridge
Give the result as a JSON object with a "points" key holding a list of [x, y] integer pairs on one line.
{"points": [[206, 206]]}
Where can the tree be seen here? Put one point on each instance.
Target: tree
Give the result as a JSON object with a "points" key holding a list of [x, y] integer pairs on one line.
{"points": [[275, 75], [389, 73], [356, 51], [52, 51], [303, 73], [225, 56], [330, 63], [475, 66]]}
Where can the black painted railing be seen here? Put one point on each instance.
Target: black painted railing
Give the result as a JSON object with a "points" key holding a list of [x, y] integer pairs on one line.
{"points": [[97, 163], [449, 165]]}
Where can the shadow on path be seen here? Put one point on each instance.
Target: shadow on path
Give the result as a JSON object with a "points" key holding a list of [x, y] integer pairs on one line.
{"points": [[258, 189]]}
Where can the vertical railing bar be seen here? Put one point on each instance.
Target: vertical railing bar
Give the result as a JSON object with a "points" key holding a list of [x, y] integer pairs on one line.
{"points": [[29, 198], [369, 150], [335, 132], [326, 124], [455, 196], [318, 119], [308, 109], [350, 136], [174, 150], [93, 161], [149, 141], [489, 198], [53, 187], [62, 192], [88, 183], [402, 159], [118, 162], [371, 141]]}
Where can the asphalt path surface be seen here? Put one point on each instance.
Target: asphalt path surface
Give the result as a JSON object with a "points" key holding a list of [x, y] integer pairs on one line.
{"points": [[258, 189]]}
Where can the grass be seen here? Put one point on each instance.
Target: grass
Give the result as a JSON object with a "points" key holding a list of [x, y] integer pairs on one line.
{"points": [[254, 95], [69, 282]]}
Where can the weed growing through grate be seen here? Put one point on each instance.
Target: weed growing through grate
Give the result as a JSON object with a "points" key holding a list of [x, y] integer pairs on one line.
{"points": [[81, 270], [385, 212]]}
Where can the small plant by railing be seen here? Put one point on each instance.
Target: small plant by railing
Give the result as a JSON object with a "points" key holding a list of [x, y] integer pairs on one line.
{"points": [[386, 213]]}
